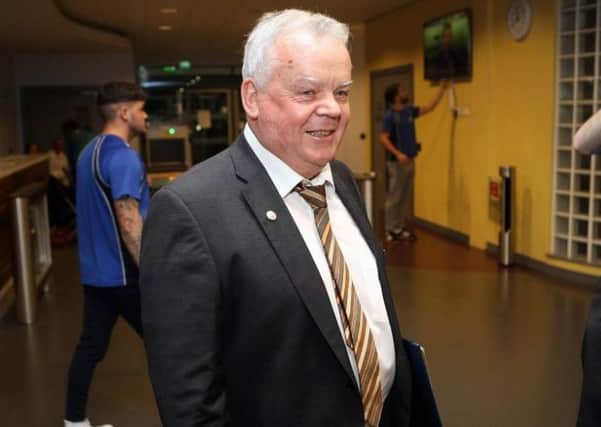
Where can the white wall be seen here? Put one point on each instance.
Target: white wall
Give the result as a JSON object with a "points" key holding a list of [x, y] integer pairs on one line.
{"points": [[354, 151], [65, 70], [73, 69]]}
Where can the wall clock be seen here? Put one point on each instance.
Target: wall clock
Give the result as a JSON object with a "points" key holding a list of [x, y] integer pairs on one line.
{"points": [[519, 19]]}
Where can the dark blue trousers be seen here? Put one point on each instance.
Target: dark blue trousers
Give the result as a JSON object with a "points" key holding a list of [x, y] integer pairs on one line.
{"points": [[101, 308]]}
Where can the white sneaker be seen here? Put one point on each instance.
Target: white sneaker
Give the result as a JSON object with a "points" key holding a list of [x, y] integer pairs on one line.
{"points": [[85, 423]]}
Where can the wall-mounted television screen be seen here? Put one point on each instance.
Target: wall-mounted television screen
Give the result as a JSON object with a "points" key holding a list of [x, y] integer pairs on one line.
{"points": [[448, 46]]}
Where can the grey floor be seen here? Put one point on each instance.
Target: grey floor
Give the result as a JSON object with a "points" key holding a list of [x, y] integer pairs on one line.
{"points": [[503, 347]]}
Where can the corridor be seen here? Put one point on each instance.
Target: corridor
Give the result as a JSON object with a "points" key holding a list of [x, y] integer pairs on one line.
{"points": [[503, 346]]}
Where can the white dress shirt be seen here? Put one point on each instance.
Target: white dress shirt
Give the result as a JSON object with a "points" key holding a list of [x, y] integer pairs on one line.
{"points": [[357, 254]]}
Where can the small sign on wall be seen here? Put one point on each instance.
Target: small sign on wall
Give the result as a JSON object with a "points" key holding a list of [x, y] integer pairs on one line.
{"points": [[494, 198]]}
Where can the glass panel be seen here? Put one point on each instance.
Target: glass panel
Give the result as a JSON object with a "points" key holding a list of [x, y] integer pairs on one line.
{"points": [[598, 208], [161, 109], [567, 45], [586, 43], [564, 160], [587, 19], [597, 164], [597, 230], [561, 247], [565, 114], [597, 254], [564, 137], [566, 68], [597, 188], [586, 67], [583, 112], [581, 205], [582, 183], [567, 21], [210, 135], [566, 91], [580, 228], [585, 90], [579, 251], [583, 161], [563, 181], [562, 204], [561, 225], [583, 2]]}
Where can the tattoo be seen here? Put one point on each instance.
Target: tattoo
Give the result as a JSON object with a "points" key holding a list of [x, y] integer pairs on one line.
{"points": [[130, 225]]}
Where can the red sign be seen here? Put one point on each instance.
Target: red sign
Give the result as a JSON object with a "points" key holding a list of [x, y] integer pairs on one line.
{"points": [[494, 190]]}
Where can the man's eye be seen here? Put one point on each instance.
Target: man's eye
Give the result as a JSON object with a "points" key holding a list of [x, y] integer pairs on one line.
{"points": [[308, 92], [343, 94]]}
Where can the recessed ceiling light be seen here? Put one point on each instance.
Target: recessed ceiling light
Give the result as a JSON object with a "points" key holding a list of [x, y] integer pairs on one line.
{"points": [[168, 10], [165, 27]]}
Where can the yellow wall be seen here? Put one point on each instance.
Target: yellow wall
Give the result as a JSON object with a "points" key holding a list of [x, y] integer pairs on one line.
{"points": [[511, 98]]}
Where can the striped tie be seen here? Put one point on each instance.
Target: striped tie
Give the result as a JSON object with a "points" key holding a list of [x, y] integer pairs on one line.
{"points": [[356, 330]]}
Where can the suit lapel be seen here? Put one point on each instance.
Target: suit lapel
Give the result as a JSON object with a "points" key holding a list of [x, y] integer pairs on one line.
{"points": [[261, 197]]}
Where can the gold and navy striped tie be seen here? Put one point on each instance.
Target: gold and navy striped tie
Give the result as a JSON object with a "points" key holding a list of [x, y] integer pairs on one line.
{"points": [[356, 330]]}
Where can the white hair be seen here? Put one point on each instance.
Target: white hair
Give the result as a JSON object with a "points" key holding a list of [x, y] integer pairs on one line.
{"points": [[257, 63]]}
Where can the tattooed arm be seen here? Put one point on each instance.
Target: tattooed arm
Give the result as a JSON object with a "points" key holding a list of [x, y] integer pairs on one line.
{"points": [[130, 225]]}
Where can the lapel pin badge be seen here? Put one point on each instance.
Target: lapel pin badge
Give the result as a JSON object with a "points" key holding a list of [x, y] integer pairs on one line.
{"points": [[271, 215]]}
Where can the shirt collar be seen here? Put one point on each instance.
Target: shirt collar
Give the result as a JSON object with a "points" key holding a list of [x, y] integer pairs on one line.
{"points": [[283, 176]]}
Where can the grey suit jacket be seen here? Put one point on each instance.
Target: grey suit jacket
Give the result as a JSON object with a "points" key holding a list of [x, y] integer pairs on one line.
{"points": [[237, 325]]}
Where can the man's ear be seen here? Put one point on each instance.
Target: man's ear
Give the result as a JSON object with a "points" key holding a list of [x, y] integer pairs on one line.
{"points": [[249, 95], [123, 111]]}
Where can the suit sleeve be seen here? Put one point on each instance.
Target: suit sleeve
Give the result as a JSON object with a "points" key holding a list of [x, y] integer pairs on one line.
{"points": [[587, 139], [590, 397], [181, 306]]}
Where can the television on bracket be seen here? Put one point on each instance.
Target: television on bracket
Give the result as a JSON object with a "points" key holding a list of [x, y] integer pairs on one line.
{"points": [[448, 47]]}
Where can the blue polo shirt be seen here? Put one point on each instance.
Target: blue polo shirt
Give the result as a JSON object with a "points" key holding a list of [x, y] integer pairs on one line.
{"points": [[107, 169], [400, 125]]}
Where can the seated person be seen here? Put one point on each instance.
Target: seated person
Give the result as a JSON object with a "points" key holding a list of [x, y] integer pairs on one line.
{"points": [[59, 164]]}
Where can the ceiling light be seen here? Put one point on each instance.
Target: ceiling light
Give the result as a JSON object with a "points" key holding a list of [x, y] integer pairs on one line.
{"points": [[165, 27], [168, 11]]}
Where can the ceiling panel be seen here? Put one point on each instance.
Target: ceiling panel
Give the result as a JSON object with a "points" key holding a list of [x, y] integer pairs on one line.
{"points": [[37, 26], [206, 33]]}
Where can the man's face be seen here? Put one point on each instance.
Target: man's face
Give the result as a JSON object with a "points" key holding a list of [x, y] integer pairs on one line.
{"points": [[402, 95], [137, 118], [59, 145], [447, 36], [303, 109]]}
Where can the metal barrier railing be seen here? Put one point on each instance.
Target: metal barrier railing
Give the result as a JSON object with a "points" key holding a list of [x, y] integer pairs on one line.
{"points": [[32, 252], [365, 182]]}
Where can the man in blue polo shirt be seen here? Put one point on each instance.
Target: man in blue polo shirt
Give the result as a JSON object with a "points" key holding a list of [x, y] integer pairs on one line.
{"points": [[112, 200], [399, 140]]}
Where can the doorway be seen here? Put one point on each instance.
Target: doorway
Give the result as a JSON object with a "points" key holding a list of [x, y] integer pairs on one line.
{"points": [[379, 81]]}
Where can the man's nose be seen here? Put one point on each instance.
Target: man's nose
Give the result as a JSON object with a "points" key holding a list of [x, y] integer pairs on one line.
{"points": [[330, 106]]}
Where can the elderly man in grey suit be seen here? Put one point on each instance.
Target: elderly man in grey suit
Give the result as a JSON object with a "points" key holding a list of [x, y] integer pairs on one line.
{"points": [[264, 296]]}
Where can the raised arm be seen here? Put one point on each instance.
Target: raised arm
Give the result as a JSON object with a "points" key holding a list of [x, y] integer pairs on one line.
{"points": [[436, 100], [588, 138]]}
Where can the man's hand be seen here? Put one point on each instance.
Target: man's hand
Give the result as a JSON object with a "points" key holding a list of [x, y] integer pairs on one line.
{"points": [[403, 158]]}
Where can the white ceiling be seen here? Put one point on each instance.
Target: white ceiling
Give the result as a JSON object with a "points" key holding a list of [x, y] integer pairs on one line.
{"points": [[205, 32]]}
